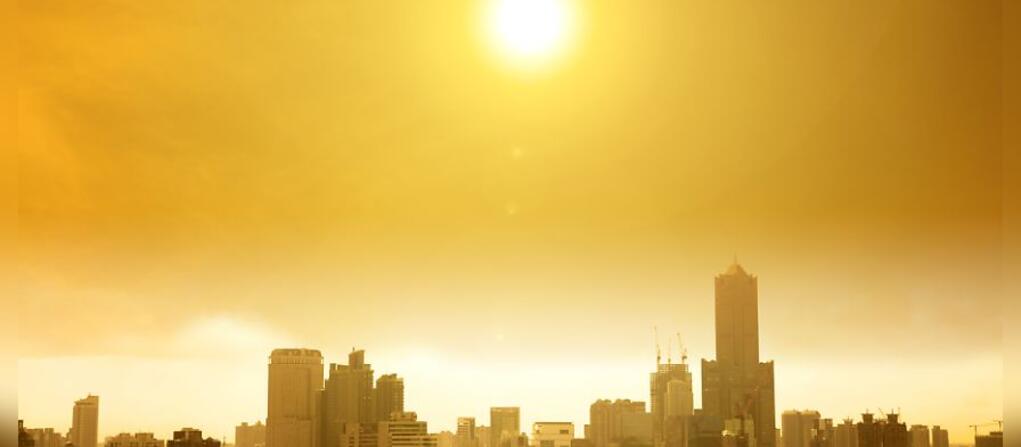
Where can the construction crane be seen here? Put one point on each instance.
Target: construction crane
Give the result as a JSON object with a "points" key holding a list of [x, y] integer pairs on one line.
{"points": [[683, 351], [975, 427]]}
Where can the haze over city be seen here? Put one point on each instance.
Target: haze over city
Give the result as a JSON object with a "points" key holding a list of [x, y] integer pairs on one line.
{"points": [[503, 204]]}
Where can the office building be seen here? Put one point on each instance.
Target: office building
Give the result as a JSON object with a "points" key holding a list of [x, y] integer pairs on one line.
{"points": [[46, 437], [606, 421], [85, 423], [389, 396], [918, 436], [940, 437], [672, 402], [797, 427], [466, 433], [295, 382], [736, 385], [349, 398], [846, 434], [505, 426]]}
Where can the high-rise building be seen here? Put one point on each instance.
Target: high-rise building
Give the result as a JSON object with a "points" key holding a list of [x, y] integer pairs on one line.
{"points": [[606, 420], [253, 435], [46, 437], [672, 402], [349, 398], [191, 437], [736, 384], [389, 396], [846, 434], [940, 437], [894, 432], [466, 433], [918, 436], [505, 426], [85, 423], [798, 426], [134, 440], [552, 434], [295, 382]]}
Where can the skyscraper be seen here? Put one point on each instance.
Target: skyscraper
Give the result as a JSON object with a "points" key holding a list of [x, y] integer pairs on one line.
{"points": [[846, 434], [85, 422], [349, 397], [505, 426], [672, 401], [389, 396], [295, 382], [940, 437], [736, 384]]}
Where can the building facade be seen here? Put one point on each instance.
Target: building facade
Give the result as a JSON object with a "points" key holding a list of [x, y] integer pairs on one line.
{"points": [[504, 426], [191, 437], [46, 437], [349, 398], [389, 396], [295, 383], [606, 420], [85, 423]]}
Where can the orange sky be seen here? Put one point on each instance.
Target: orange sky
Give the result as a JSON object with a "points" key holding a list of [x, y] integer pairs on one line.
{"points": [[202, 182]]}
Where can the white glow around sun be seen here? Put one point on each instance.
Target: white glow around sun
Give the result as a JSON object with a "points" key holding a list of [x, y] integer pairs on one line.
{"points": [[529, 31]]}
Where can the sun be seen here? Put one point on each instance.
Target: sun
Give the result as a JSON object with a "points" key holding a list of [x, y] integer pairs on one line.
{"points": [[529, 32]]}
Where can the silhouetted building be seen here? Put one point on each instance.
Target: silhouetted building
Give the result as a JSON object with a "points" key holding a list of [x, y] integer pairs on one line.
{"points": [[552, 434], [895, 433], [993, 439], [606, 420], [870, 433], [134, 440], [466, 433], [940, 437], [704, 430], [389, 396], [24, 440], [250, 435], [736, 385], [846, 434], [46, 437], [504, 426], [85, 423], [295, 382], [349, 398], [482, 435], [672, 401], [405, 430], [191, 437]]}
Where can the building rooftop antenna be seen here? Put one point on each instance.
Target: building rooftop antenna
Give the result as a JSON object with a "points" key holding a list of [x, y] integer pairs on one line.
{"points": [[655, 332]]}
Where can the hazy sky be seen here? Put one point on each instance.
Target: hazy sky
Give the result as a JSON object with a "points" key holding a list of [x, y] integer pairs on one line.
{"points": [[203, 181]]}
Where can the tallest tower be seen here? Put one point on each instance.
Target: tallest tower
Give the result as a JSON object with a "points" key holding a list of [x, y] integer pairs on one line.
{"points": [[737, 318], [737, 386]]}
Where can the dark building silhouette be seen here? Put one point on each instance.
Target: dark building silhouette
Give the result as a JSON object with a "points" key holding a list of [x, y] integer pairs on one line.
{"points": [[736, 385], [24, 440], [389, 396], [895, 433], [672, 402], [348, 398], [190, 437]]}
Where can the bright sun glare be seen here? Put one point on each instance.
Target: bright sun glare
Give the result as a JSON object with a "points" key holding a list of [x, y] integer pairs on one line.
{"points": [[529, 31]]}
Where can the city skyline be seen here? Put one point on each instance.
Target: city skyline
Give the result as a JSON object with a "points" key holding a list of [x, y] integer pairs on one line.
{"points": [[501, 202], [737, 343]]}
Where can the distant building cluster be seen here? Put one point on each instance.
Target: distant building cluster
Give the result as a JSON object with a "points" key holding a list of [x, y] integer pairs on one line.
{"points": [[344, 405]]}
